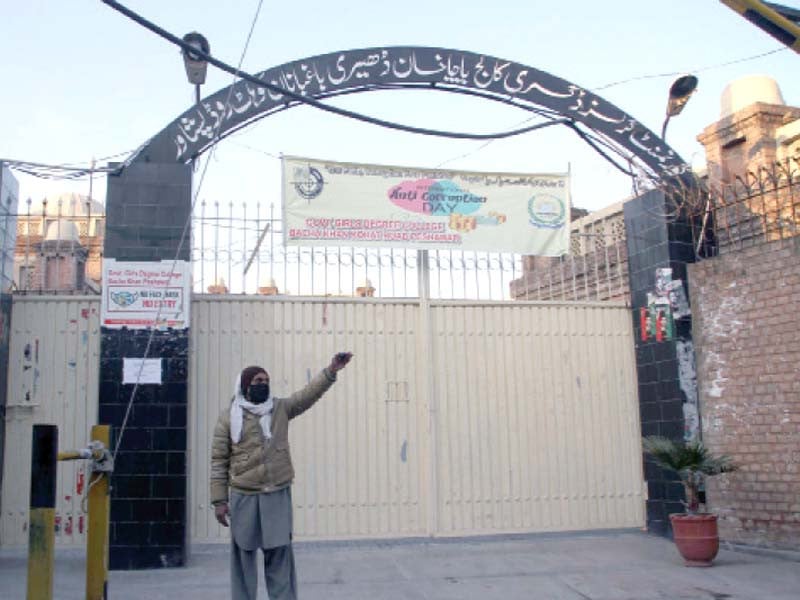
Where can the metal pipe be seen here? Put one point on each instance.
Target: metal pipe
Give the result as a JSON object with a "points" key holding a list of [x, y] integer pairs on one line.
{"points": [[97, 535]]}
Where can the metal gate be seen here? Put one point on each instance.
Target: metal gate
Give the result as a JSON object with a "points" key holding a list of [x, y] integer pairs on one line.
{"points": [[454, 418], [52, 378]]}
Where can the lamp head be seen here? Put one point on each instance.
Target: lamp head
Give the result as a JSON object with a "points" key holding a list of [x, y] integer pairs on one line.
{"points": [[679, 94], [195, 65]]}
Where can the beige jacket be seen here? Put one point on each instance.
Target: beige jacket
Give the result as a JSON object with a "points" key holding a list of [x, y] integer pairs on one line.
{"points": [[253, 465]]}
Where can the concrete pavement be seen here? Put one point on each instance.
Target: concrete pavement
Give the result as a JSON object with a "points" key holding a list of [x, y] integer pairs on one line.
{"points": [[621, 565]]}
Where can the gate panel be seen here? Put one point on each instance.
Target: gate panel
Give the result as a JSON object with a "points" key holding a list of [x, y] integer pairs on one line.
{"points": [[52, 378], [537, 418], [358, 453]]}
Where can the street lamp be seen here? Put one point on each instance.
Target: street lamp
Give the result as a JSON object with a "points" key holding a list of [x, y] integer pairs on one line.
{"points": [[679, 93], [196, 65]]}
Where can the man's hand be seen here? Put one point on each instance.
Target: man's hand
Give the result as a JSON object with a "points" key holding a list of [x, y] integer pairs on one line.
{"points": [[221, 512], [339, 361]]}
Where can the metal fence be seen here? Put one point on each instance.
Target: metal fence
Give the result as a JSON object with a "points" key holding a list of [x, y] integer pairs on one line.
{"points": [[239, 249], [756, 208]]}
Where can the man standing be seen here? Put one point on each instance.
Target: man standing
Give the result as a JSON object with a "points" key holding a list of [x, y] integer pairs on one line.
{"points": [[250, 455]]}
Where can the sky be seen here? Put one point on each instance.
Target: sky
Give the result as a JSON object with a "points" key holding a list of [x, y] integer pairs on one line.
{"points": [[81, 82]]}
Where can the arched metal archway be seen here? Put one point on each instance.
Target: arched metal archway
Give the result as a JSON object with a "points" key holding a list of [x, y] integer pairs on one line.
{"points": [[441, 69]]}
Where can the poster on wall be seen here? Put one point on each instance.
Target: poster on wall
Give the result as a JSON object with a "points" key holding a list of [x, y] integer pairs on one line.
{"points": [[140, 295], [328, 203]]}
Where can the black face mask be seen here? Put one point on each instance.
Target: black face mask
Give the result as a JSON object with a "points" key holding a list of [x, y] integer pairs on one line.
{"points": [[258, 393]]}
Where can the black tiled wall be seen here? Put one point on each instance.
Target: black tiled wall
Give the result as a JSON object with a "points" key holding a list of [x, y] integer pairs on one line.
{"points": [[146, 209], [148, 495], [656, 241]]}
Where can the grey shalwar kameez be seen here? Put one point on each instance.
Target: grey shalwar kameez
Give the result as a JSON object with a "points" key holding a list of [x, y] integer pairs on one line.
{"points": [[262, 521]]}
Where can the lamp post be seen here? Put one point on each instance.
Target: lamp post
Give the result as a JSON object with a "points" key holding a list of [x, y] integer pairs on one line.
{"points": [[195, 65], [679, 93]]}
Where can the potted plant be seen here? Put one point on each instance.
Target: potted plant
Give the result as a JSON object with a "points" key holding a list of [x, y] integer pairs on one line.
{"points": [[695, 533]]}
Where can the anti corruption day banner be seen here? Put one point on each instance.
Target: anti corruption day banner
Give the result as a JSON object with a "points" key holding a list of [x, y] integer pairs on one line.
{"points": [[329, 203]]}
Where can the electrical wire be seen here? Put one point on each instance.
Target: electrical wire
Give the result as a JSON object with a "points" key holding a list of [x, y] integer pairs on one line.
{"points": [[694, 71], [343, 112]]}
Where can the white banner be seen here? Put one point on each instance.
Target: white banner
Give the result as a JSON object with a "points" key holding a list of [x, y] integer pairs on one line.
{"points": [[138, 295], [344, 204]]}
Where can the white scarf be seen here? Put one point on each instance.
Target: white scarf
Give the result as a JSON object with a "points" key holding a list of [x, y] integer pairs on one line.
{"points": [[240, 404]]}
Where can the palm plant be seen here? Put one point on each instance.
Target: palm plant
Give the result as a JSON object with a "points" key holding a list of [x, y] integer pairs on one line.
{"points": [[690, 460]]}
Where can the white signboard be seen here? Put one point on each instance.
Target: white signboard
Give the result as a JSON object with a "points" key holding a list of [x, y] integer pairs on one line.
{"points": [[139, 295], [141, 370], [344, 204]]}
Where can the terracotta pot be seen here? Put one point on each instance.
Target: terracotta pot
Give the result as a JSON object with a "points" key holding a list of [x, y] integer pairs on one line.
{"points": [[696, 537]]}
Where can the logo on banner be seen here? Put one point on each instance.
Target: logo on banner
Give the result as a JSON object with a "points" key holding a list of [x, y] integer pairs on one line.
{"points": [[124, 299], [308, 182], [547, 211]]}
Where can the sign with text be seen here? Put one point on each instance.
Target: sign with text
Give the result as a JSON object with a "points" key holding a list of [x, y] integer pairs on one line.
{"points": [[138, 295], [344, 204]]}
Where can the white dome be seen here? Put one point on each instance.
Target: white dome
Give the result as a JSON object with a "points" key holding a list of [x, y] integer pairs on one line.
{"points": [[743, 92], [62, 231], [71, 205]]}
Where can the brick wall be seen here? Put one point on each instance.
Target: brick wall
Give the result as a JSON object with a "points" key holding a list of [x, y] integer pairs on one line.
{"points": [[745, 329]]}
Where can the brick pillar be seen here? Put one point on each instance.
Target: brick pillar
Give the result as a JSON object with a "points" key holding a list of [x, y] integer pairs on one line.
{"points": [[147, 206], [666, 375]]}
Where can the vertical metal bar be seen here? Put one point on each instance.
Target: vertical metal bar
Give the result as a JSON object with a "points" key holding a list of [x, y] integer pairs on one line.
{"points": [[244, 245], [339, 269], [380, 271], [202, 244], [285, 257], [272, 241], [325, 290], [452, 282], [258, 258], [527, 272], [392, 265], [41, 528], [489, 272], [620, 278], [572, 258], [313, 260], [299, 263], [230, 247], [595, 255], [477, 277], [352, 270], [57, 286], [607, 266], [216, 244], [27, 283], [585, 277], [97, 534], [42, 261]]}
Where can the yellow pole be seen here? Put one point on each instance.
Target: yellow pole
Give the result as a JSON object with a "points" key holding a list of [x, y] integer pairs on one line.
{"points": [[97, 534], [768, 19], [41, 529]]}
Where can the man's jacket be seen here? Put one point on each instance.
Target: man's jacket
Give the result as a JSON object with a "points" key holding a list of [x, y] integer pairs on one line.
{"points": [[254, 464]]}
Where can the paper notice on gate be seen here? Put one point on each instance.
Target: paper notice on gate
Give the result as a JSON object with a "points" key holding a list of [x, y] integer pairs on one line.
{"points": [[141, 371]]}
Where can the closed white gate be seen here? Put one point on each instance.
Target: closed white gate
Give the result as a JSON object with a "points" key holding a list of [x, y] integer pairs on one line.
{"points": [[455, 418], [52, 378]]}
